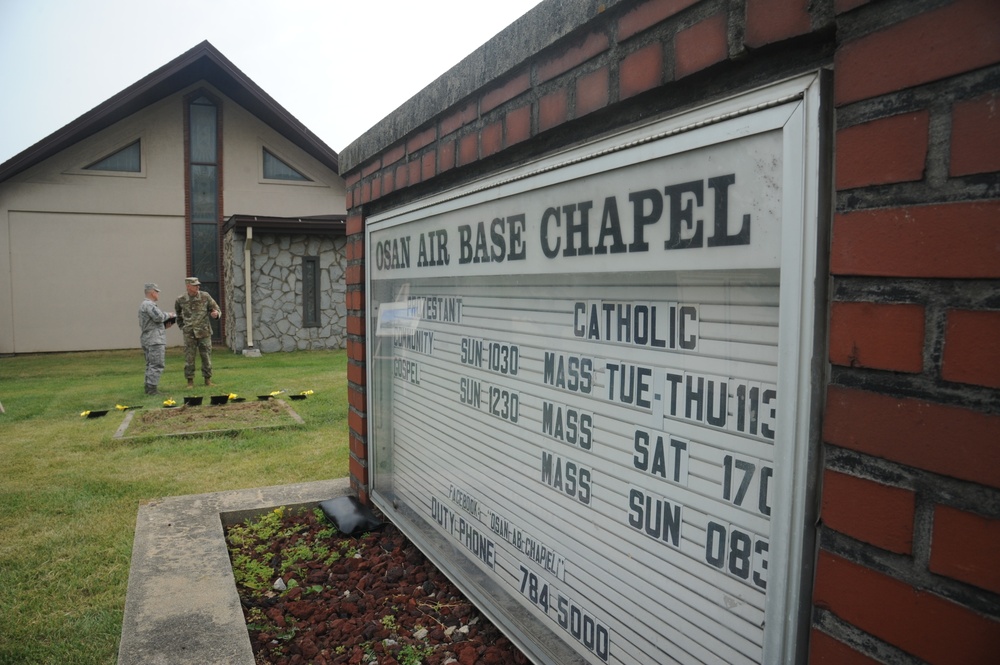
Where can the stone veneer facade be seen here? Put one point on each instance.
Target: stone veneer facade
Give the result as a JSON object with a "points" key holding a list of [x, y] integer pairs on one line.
{"points": [[276, 273]]}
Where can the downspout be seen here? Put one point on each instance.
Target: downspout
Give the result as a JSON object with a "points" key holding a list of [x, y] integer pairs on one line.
{"points": [[246, 282]]}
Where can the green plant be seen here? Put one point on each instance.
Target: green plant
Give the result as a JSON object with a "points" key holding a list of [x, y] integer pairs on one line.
{"points": [[330, 531], [410, 654], [256, 619], [259, 529], [251, 573], [286, 634], [389, 622], [302, 552]]}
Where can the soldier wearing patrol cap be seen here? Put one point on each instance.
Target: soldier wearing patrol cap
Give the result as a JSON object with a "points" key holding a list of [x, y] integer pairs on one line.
{"points": [[193, 311], [153, 323]]}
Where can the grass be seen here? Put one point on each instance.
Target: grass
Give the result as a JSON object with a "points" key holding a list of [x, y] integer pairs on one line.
{"points": [[69, 492]]}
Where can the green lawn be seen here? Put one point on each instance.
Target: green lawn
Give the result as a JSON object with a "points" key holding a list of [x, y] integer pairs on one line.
{"points": [[69, 492]]}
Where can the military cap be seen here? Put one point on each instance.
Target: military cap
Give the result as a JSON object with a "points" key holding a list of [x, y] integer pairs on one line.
{"points": [[193, 281], [150, 286]]}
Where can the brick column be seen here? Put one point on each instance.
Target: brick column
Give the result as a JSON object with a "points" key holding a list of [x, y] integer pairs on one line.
{"points": [[910, 538], [357, 417]]}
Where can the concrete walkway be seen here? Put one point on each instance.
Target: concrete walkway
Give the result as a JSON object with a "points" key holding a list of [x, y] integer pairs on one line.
{"points": [[181, 606]]}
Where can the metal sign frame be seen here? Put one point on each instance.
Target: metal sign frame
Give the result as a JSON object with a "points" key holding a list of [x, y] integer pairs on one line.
{"points": [[788, 118]]}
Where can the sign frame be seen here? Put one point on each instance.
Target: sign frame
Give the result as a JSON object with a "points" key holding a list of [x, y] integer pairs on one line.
{"points": [[798, 109]]}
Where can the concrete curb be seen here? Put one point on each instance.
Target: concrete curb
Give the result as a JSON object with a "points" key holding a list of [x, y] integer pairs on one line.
{"points": [[181, 606]]}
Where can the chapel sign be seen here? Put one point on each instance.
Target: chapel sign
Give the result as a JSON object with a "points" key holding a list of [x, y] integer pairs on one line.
{"points": [[591, 386]]}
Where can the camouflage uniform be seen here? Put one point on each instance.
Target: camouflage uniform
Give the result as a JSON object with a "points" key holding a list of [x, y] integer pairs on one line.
{"points": [[193, 320], [153, 338]]}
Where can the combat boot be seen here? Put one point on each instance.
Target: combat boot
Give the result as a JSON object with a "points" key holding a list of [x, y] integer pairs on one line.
{"points": [[152, 390], [190, 383], [208, 382]]}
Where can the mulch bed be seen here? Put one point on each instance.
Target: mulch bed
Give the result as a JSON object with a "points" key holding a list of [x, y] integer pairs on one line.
{"points": [[357, 600], [194, 419]]}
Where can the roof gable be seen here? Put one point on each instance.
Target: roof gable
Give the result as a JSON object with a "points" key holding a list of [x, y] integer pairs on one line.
{"points": [[202, 63]]}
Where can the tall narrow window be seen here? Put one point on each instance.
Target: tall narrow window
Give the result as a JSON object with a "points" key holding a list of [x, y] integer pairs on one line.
{"points": [[310, 291], [277, 169], [203, 165], [127, 160]]}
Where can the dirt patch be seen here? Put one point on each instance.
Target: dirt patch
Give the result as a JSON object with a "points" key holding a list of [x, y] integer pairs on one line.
{"points": [[374, 598], [212, 418]]}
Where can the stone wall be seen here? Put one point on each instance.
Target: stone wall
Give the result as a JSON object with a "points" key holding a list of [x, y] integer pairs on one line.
{"points": [[276, 276]]}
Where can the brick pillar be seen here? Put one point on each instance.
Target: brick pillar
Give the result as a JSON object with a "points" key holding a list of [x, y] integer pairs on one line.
{"points": [[357, 407], [910, 537]]}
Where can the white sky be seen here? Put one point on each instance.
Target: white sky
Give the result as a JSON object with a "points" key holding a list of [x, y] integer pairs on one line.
{"points": [[339, 66]]}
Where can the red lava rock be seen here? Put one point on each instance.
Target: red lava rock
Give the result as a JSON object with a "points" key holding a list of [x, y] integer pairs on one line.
{"points": [[467, 655], [301, 610], [308, 648], [338, 624], [491, 656], [275, 615]]}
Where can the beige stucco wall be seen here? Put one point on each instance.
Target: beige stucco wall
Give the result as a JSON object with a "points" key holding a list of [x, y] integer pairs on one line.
{"points": [[246, 191], [77, 278], [76, 246]]}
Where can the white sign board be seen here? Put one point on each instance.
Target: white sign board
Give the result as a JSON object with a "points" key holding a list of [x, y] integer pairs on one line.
{"points": [[590, 386]]}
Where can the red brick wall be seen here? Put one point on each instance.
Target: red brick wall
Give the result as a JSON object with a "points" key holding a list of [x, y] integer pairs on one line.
{"points": [[911, 515], [909, 544]]}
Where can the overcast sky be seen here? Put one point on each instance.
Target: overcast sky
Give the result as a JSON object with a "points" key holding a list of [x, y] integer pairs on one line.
{"points": [[339, 66]]}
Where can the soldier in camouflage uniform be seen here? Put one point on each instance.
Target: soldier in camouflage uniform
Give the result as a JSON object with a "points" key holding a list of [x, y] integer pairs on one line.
{"points": [[193, 310], [153, 324]]}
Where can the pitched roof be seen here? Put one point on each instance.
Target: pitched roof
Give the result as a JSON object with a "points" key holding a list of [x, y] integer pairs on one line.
{"points": [[203, 62]]}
